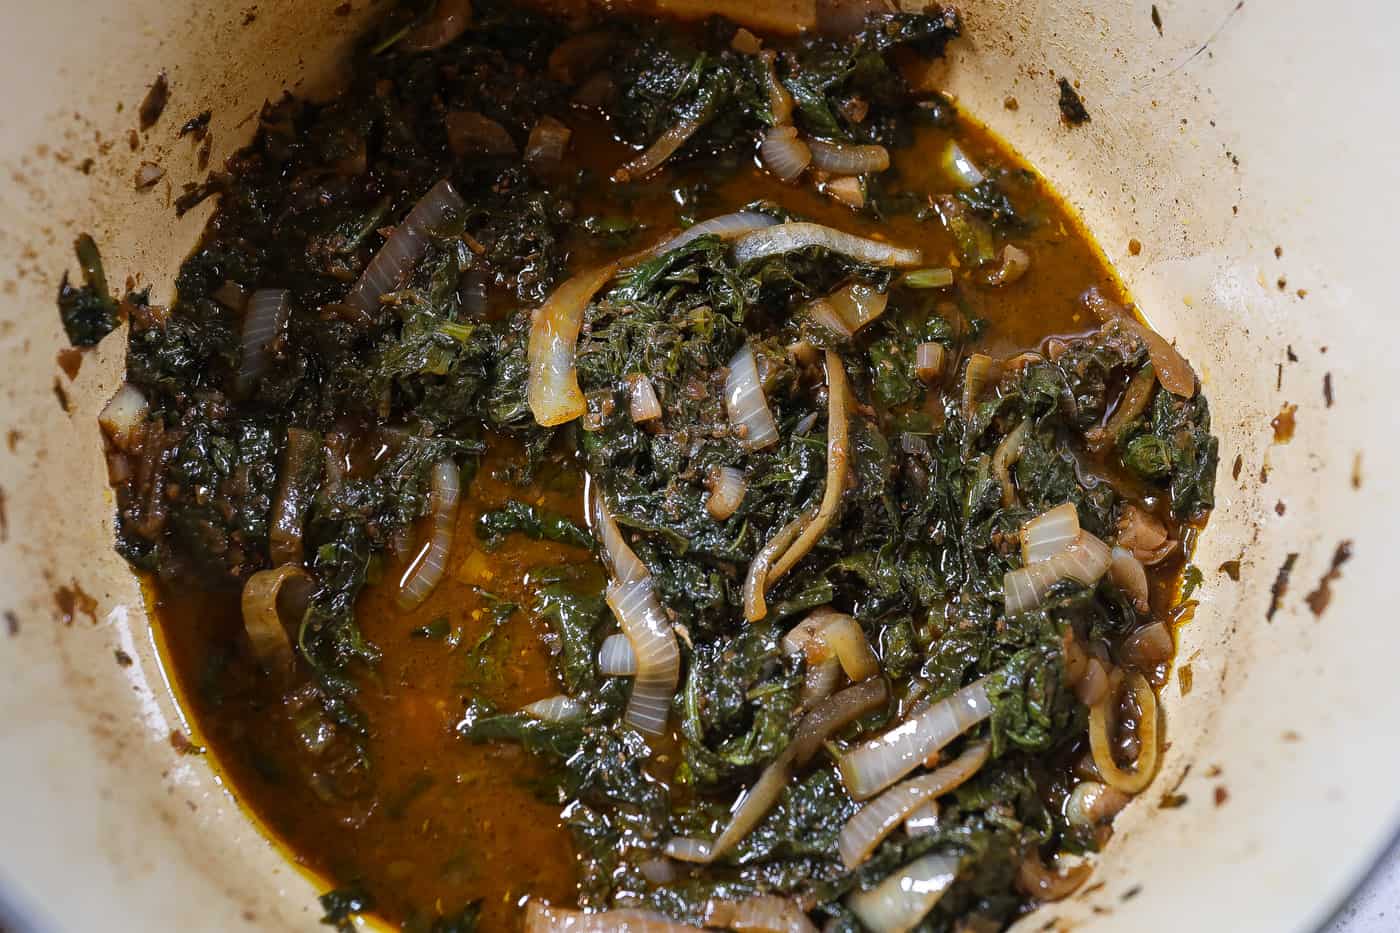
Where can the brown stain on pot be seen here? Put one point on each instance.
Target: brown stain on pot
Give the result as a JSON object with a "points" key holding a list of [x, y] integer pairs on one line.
{"points": [[72, 601], [1279, 588], [70, 360], [1285, 423], [1319, 599]]}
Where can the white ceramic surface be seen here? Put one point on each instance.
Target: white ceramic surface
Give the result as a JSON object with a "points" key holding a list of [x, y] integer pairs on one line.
{"points": [[1235, 130]]}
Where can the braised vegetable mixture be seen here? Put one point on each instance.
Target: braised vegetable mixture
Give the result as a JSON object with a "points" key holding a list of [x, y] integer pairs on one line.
{"points": [[620, 474]]}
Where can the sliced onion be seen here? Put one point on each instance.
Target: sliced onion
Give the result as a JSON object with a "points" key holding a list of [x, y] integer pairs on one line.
{"points": [[751, 806], [642, 403], [783, 153], [834, 713], [837, 465], [1148, 646], [725, 226], [818, 680], [553, 390], [653, 641], [616, 657], [788, 237], [294, 492], [688, 849], [472, 133], [1140, 532], [658, 152], [542, 918], [559, 708], [849, 644], [1006, 455], [857, 304], [622, 561], [779, 100], [1015, 262], [1085, 560], [1049, 533], [981, 372], [881, 816], [821, 311], [263, 321], [848, 189], [746, 404], [845, 159], [1039, 882], [1131, 404], [123, 416], [746, 42], [1024, 588], [404, 248], [1175, 374], [1129, 782], [878, 763], [922, 819], [548, 140], [1092, 684], [929, 360], [727, 487], [933, 277], [756, 581], [1091, 805], [897, 904], [449, 19], [428, 569], [960, 168], [764, 913], [271, 644], [1128, 574]]}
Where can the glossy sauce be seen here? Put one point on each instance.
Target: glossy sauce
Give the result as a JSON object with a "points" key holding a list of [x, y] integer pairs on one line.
{"points": [[446, 822]]}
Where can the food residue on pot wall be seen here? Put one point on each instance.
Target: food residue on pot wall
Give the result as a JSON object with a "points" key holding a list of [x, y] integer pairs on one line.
{"points": [[1319, 599], [154, 103], [1280, 585], [1284, 423]]}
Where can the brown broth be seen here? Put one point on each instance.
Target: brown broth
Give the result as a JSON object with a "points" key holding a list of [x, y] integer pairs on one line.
{"points": [[449, 822]]}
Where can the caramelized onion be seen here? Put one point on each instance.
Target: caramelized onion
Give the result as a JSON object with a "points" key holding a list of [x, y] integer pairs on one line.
{"points": [[1148, 646], [1173, 372], [783, 153], [788, 237], [1129, 782], [300, 465], [779, 100], [929, 359], [764, 913], [1014, 263], [848, 642], [404, 248], [756, 581], [727, 486], [848, 189], [1092, 685], [471, 133], [834, 713], [548, 140], [449, 19], [845, 159], [1128, 574], [263, 321], [878, 763], [658, 152], [653, 641], [1039, 882], [746, 404], [553, 390], [878, 818], [981, 372], [857, 304], [837, 464], [268, 636], [898, 903], [428, 569]]}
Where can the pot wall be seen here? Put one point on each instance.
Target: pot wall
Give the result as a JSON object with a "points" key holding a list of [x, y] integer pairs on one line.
{"points": [[1214, 141]]}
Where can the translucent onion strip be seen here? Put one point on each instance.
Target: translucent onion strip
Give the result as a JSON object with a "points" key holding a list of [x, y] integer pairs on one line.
{"points": [[553, 390], [929, 360], [960, 168], [122, 417], [847, 640], [542, 918], [834, 713], [653, 641], [779, 99], [857, 304], [1006, 455], [897, 904], [558, 708], [788, 237], [404, 248], [756, 581], [643, 405], [1128, 574], [745, 402], [666, 145], [837, 465], [263, 321], [1085, 559], [1049, 533], [878, 763], [845, 159], [431, 564], [1024, 588], [922, 819], [1092, 804], [727, 487], [881, 816], [783, 153], [271, 644], [1173, 372], [1100, 743], [616, 657], [764, 913], [725, 226], [548, 140], [623, 562]]}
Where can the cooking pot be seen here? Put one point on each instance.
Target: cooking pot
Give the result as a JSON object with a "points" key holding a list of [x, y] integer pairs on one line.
{"points": [[1239, 172]]}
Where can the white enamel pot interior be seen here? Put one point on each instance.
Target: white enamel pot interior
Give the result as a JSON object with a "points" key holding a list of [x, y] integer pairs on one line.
{"points": [[1246, 148]]}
